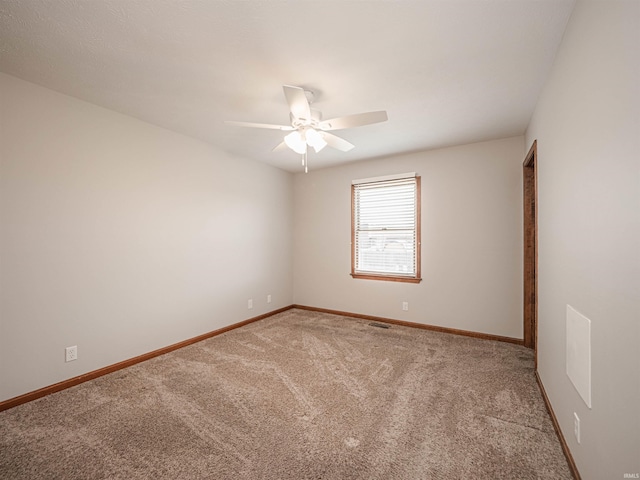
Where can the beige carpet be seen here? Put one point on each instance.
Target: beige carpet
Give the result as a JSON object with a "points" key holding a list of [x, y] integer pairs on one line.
{"points": [[300, 395]]}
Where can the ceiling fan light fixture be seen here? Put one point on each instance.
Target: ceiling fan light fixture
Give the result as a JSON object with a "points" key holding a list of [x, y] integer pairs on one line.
{"points": [[295, 142], [315, 140]]}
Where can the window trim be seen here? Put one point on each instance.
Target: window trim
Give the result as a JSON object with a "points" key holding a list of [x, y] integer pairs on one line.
{"points": [[418, 248]]}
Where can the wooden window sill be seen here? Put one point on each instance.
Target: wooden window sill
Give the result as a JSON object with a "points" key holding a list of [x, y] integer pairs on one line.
{"points": [[386, 278]]}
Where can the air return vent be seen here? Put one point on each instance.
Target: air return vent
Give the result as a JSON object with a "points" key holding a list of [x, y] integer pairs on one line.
{"points": [[379, 325]]}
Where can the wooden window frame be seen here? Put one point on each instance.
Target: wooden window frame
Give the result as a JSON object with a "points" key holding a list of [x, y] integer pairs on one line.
{"points": [[418, 244]]}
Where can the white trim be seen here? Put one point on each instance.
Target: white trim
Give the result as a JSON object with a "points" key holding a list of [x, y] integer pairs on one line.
{"points": [[384, 178]]}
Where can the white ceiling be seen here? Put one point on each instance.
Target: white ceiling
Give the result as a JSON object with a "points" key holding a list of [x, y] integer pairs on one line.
{"points": [[447, 72]]}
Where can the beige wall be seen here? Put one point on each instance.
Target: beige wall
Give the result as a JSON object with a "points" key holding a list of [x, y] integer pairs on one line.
{"points": [[120, 237], [587, 123], [471, 239]]}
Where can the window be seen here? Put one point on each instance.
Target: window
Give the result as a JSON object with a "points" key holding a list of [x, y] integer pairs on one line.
{"points": [[385, 228]]}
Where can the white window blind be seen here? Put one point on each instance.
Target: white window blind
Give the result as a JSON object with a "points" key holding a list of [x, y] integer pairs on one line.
{"points": [[385, 228]]}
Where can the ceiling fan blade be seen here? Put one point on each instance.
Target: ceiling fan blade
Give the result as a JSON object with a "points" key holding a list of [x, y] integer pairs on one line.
{"points": [[280, 147], [284, 128], [357, 120], [298, 103], [337, 142]]}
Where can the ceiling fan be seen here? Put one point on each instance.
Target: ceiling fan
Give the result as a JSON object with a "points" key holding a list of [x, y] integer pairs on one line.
{"points": [[307, 127]]}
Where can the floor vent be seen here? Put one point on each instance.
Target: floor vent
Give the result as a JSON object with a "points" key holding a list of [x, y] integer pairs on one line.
{"points": [[379, 325]]}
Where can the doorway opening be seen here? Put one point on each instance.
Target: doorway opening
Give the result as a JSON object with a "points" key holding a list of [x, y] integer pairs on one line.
{"points": [[530, 198]]}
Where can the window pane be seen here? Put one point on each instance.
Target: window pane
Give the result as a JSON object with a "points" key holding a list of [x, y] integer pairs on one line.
{"points": [[385, 228], [386, 252]]}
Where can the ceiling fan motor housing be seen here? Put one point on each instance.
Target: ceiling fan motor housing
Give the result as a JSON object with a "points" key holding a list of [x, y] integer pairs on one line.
{"points": [[314, 121]]}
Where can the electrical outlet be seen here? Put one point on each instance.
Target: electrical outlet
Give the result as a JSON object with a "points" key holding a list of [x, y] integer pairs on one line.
{"points": [[250, 304], [268, 298], [71, 353], [405, 306], [576, 426]]}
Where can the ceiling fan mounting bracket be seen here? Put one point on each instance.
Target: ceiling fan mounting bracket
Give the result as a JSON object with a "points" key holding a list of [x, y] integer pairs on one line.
{"points": [[311, 96]]}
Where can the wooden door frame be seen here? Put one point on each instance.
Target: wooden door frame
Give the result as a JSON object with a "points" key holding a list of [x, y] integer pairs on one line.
{"points": [[530, 254]]}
